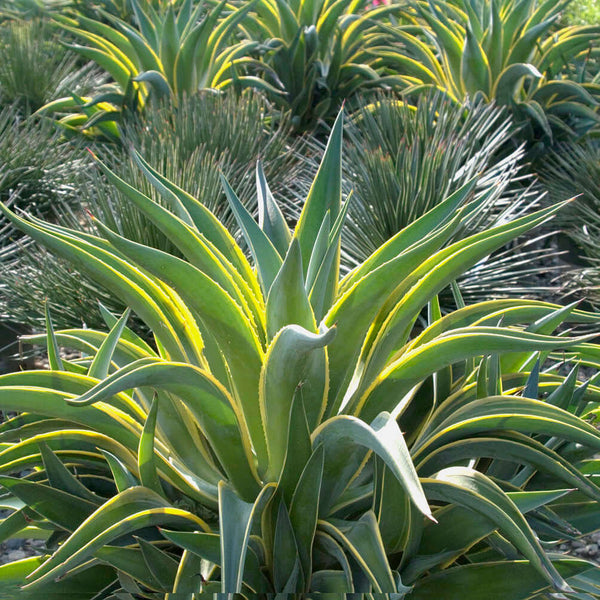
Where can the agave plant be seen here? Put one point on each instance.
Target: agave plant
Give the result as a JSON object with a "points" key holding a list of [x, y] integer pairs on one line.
{"points": [[291, 432], [504, 50], [319, 53], [170, 53]]}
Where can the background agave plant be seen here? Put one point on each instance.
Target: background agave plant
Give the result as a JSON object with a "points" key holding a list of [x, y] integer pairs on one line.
{"points": [[318, 53], [169, 53], [259, 441], [512, 52]]}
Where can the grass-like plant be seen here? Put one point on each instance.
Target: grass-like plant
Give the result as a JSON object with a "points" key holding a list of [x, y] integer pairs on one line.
{"points": [[402, 160], [574, 170], [35, 68], [31, 9], [36, 170], [291, 431], [511, 52]]}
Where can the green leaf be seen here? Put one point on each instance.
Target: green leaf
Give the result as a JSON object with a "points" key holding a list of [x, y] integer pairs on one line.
{"points": [[506, 87], [212, 406], [288, 370], [121, 475], [362, 540], [270, 217], [52, 346], [59, 507], [162, 566], [61, 478], [266, 258], [101, 363], [127, 512], [286, 564], [298, 451], [235, 519], [304, 510], [287, 302], [146, 463], [475, 69], [506, 579], [325, 194], [384, 438], [474, 490]]}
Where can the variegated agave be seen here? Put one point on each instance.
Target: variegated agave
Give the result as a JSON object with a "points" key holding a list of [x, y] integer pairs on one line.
{"points": [[293, 432]]}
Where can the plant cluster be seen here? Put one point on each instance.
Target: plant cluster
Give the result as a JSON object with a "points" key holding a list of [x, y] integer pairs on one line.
{"points": [[512, 52], [274, 373], [291, 431]]}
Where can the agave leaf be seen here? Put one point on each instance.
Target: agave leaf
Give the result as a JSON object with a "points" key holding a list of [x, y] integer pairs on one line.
{"points": [[127, 512], [510, 413], [325, 194], [287, 302], [475, 70], [222, 317], [318, 252], [384, 438], [101, 363], [433, 220], [202, 219], [270, 217], [391, 329], [324, 290], [52, 345], [187, 580], [121, 475], [103, 419], [61, 478], [131, 562], [90, 255], [162, 566], [145, 455], [354, 311], [216, 413], [460, 529], [304, 510], [393, 509], [410, 368], [266, 258], [86, 584], [470, 488], [288, 370], [236, 518], [506, 579], [362, 540], [299, 449], [61, 508], [513, 447]]}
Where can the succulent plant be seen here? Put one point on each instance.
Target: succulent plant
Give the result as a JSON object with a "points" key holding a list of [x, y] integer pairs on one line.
{"points": [[289, 431], [512, 52]]}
